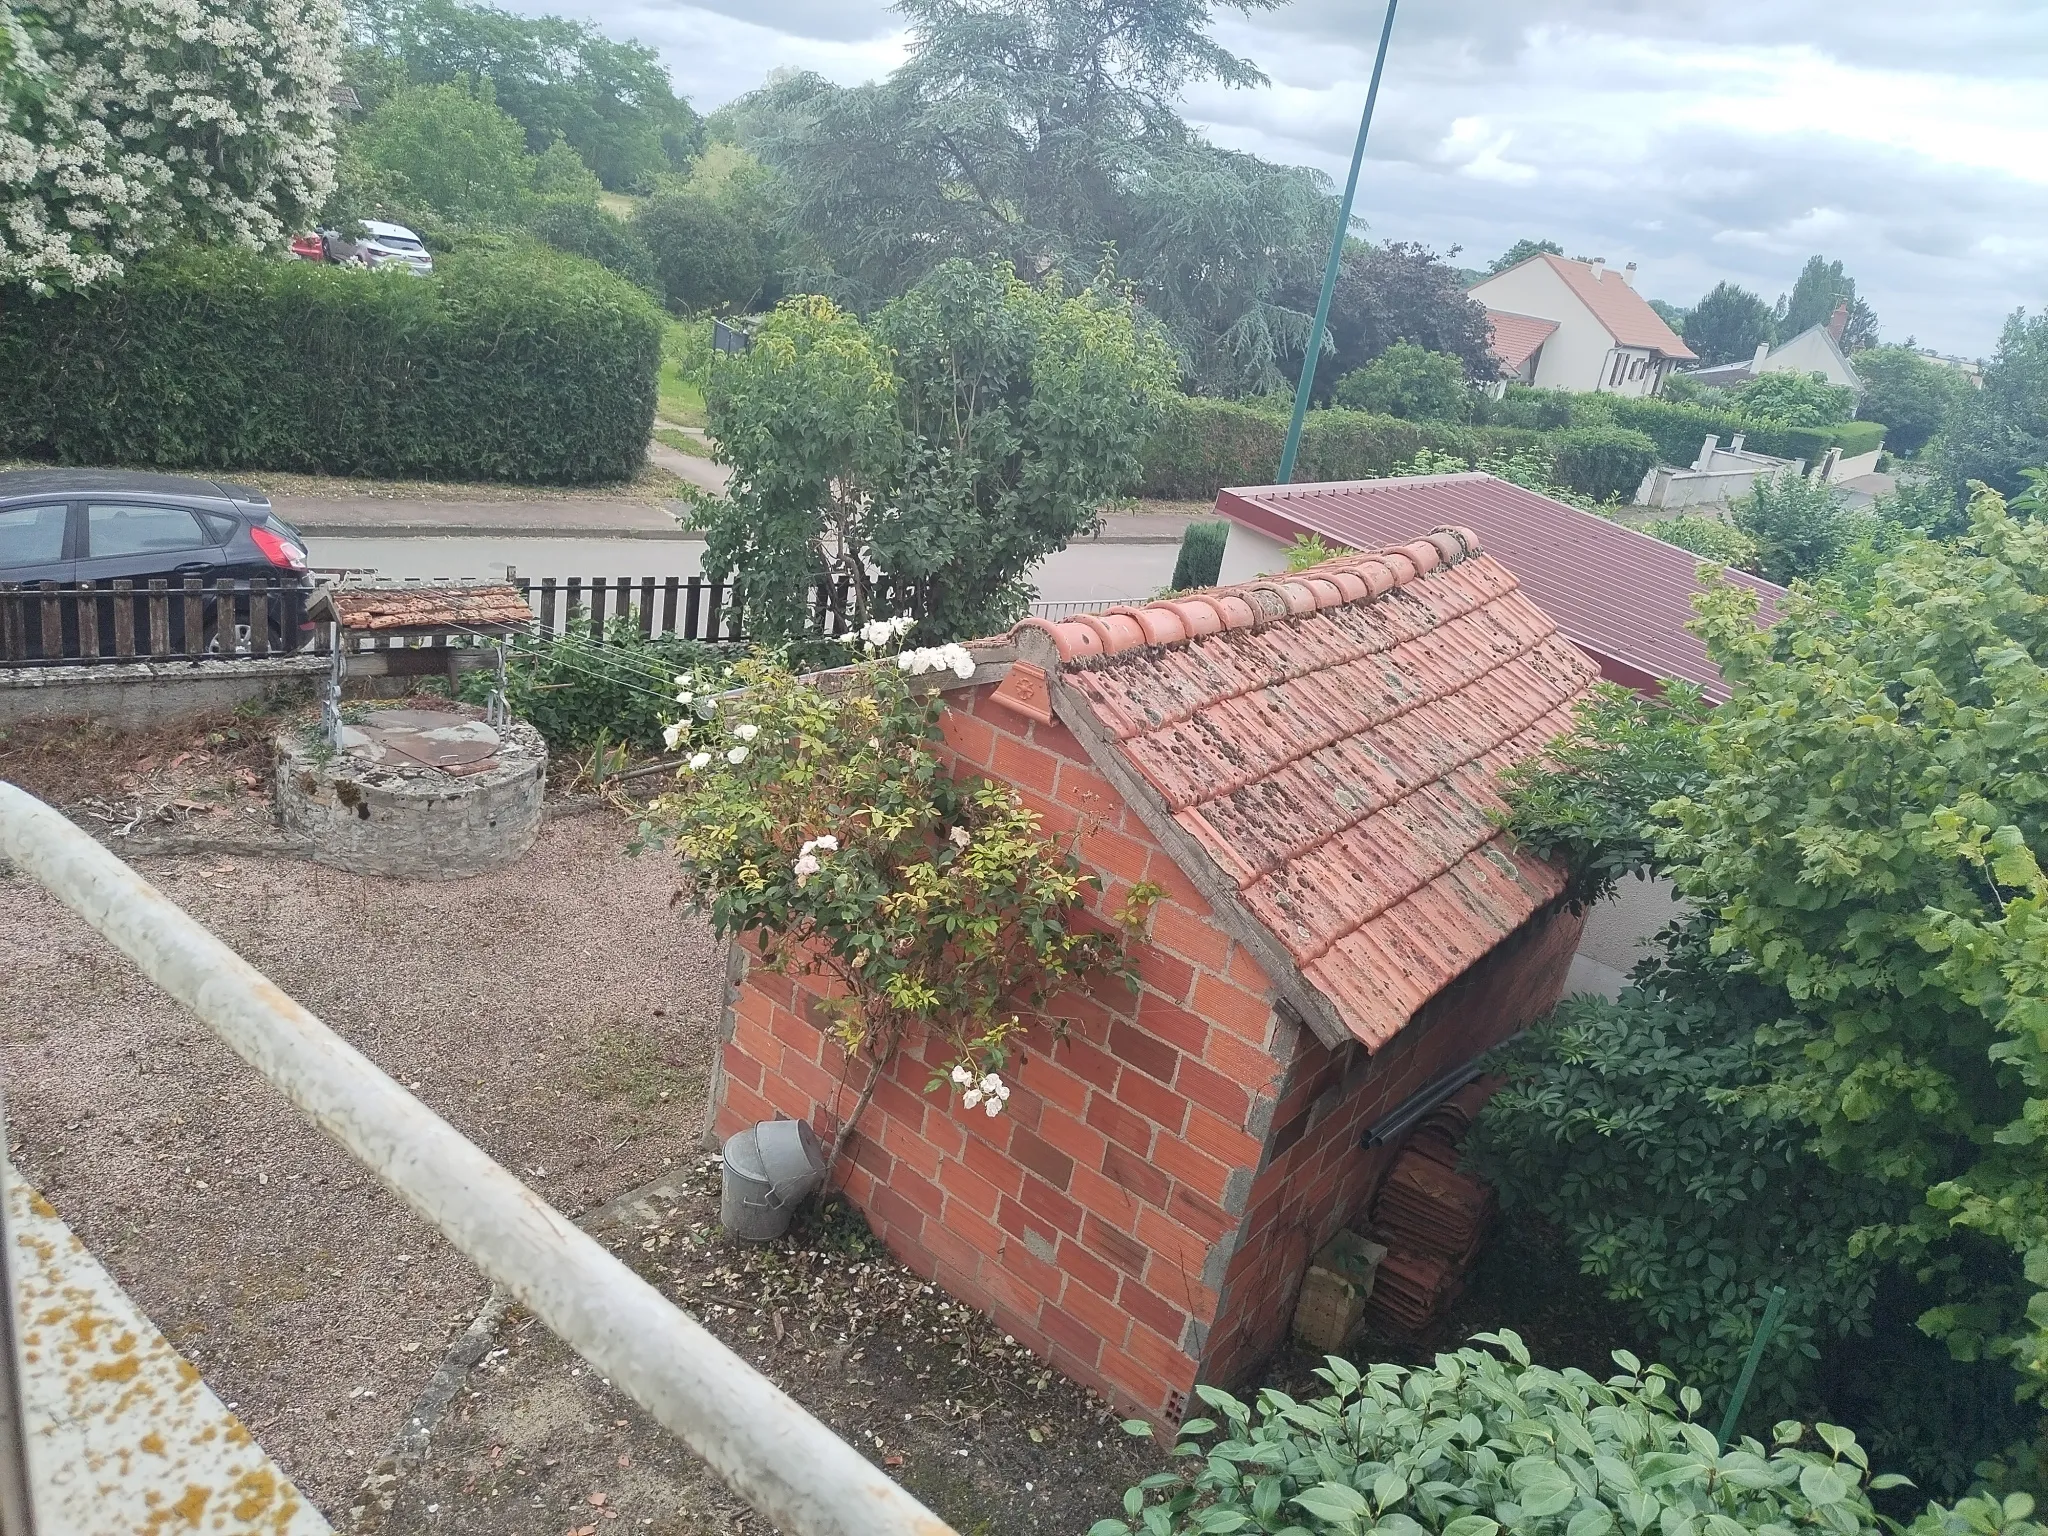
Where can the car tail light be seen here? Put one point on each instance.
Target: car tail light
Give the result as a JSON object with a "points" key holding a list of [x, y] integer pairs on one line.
{"points": [[278, 550]]}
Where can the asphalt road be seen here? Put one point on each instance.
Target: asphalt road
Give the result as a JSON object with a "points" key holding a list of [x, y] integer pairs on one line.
{"points": [[1105, 571]]}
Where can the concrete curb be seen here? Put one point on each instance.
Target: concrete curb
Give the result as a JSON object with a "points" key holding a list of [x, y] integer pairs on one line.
{"points": [[484, 531]]}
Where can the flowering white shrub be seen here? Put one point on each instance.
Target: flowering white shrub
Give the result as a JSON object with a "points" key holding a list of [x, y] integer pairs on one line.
{"points": [[156, 118], [937, 658], [878, 634]]}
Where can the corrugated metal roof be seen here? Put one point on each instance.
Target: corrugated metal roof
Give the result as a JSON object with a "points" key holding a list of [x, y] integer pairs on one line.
{"points": [[1516, 337], [1621, 596], [1331, 741]]}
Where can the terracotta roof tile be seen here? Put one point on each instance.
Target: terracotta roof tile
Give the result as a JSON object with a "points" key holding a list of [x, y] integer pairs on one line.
{"points": [[1616, 305], [1331, 739], [1515, 337]]}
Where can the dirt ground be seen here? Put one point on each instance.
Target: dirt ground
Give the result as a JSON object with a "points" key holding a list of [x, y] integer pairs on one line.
{"points": [[559, 1013]]}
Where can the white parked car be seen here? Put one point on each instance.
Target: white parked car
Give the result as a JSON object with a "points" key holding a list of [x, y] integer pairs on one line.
{"points": [[382, 245]]}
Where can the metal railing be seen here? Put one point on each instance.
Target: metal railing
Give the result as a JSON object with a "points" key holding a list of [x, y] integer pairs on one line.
{"points": [[797, 1473]]}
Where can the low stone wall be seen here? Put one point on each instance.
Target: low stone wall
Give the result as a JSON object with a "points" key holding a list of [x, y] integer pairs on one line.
{"points": [[413, 824], [137, 693]]}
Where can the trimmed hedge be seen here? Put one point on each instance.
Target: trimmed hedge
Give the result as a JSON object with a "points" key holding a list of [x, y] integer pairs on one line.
{"points": [[510, 364], [1207, 444], [1678, 430], [1605, 463]]}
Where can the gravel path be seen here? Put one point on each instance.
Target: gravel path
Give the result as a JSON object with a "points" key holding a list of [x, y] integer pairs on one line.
{"points": [[560, 1013]]}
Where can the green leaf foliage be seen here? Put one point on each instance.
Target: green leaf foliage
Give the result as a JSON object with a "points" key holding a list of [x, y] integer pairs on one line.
{"points": [[1602, 463], [1200, 562], [1409, 382], [973, 427], [1484, 1441], [1912, 395], [611, 102], [1800, 527], [1728, 325], [509, 363], [1794, 399], [447, 150], [1866, 842], [2001, 430], [1711, 538], [583, 229], [579, 693]]}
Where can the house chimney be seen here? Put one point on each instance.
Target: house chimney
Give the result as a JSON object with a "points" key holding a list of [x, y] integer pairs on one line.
{"points": [[1838, 322], [1599, 268], [1628, 274], [1763, 350]]}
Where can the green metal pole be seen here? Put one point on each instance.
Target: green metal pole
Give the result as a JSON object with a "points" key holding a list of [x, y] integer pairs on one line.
{"points": [[1773, 1309], [1313, 354]]}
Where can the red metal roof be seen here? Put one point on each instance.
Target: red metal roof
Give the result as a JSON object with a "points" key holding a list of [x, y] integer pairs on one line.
{"points": [[1516, 337], [1616, 305], [1331, 739], [1621, 596]]}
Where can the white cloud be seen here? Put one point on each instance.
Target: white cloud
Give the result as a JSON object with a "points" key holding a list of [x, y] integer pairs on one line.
{"points": [[1703, 139]]}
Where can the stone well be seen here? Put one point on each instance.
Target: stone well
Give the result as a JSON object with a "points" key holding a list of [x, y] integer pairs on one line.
{"points": [[415, 794]]}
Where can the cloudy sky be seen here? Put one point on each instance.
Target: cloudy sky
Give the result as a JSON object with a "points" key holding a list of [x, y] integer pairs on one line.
{"points": [[1701, 139]]}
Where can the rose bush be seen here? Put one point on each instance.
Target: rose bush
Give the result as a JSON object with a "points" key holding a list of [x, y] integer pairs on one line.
{"points": [[817, 819]]}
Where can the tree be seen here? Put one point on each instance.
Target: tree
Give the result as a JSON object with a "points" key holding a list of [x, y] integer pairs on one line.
{"points": [[1045, 133], [1728, 325], [975, 426], [1400, 292], [611, 102], [447, 150], [1822, 285], [1787, 399], [1409, 382], [1521, 251], [2001, 430], [107, 149], [717, 236], [586, 230], [1910, 394]]}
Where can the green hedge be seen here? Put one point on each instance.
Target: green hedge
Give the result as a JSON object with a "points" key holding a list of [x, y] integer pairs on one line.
{"points": [[508, 364], [1207, 444], [1605, 463], [1679, 430]]}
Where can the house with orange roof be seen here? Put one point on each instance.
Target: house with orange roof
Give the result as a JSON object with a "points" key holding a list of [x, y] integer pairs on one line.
{"points": [[1305, 768], [1564, 324]]}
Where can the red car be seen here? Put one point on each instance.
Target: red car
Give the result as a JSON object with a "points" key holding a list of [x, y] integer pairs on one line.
{"points": [[309, 248]]}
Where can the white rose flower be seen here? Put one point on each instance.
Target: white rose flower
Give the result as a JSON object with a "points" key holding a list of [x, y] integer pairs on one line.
{"points": [[994, 1107], [960, 837], [746, 732], [672, 734], [804, 868], [963, 665], [828, 842], [903, 624], [736, 756], [991, 1083], [700, 759], [961, 1075], [682, 679], [685, 698], [970, 1098]]}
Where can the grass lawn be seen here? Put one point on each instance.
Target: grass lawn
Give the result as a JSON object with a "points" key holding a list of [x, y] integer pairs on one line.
{"points": [[681, 396], [682, 441]]}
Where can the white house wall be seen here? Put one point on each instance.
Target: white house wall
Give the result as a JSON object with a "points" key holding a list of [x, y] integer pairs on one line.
{"points": [[1574, 356], [1248, 554], [1809, 352]]}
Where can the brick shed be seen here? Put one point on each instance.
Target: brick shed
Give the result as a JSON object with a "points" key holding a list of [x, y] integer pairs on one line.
{"points": [[1305, 765]]}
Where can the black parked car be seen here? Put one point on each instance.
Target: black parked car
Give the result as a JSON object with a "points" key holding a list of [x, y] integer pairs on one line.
{"points": [[98, 526]]}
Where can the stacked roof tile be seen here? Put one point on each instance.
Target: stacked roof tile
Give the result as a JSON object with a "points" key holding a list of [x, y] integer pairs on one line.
{"points": [[1331, 741]]}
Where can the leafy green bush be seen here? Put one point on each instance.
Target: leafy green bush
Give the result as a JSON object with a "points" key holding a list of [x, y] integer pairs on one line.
{"points": [[1603, 463], [1679, 429], [1200, 563], [579, 694], [1708, 537], [513, 363], [1800, 527], [1477, 1444], [1794, 400], [586, 230], [1410, 382]]}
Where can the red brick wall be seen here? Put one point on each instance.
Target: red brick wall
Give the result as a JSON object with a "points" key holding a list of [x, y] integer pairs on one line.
{"points": [[1319, 1175], [1086, 1219], [1125, 1217]]}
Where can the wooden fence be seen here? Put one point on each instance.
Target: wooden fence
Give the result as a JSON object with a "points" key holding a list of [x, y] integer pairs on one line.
{"points": [[158, 620], [683, 608]]}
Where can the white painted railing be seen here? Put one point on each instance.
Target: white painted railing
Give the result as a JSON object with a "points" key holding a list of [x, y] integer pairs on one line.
{"points": [[799, 1475]]}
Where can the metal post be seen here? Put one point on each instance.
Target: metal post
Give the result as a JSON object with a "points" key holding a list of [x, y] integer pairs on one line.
{"points": [[802, 1478], [1772, 1311], [330, 696], [1313, 353]]}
